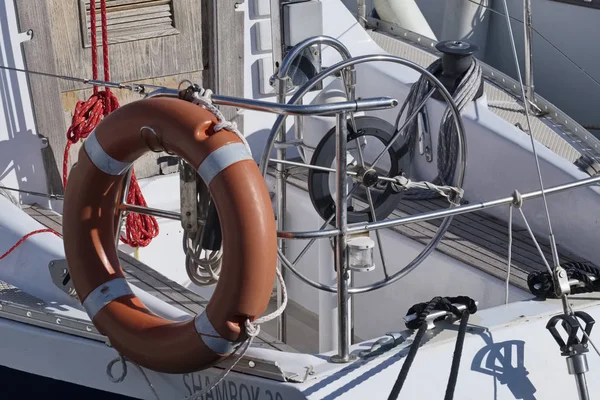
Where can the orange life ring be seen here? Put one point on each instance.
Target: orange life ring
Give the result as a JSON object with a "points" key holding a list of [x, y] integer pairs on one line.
{"points": [[246, 217]]}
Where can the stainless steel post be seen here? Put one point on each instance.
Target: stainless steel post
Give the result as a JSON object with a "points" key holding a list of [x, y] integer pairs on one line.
{"points": [[341, 255], [122, 200], [362, 13], [280, 185], [578, 366], [527, 39]]}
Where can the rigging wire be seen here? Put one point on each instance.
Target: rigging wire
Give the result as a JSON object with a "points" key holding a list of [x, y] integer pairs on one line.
{"points": [[135, 87], [541, 36], [530, 130]]}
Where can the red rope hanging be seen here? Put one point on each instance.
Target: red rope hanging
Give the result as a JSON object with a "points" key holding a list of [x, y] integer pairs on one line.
{"points": [[139, 229]]}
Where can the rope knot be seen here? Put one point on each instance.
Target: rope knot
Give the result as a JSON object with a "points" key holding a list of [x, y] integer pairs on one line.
{"points": [[252, 329], [517, 199]]}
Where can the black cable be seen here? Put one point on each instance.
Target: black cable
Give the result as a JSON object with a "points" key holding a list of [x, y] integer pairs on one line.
{"points": [[460, 340], [414, 347]]}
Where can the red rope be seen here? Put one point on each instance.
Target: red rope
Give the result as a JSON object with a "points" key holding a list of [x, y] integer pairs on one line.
{"points": [[140, 229], [24, 238]]}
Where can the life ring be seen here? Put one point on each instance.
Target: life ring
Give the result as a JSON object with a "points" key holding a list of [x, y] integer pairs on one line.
{"points": [[246, 217]]}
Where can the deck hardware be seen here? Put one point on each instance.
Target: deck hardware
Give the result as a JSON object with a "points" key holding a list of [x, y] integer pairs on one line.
{"points": [[59, 273]]}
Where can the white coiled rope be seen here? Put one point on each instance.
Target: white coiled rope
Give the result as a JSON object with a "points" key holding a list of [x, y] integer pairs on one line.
{"points": [[203, 266]]}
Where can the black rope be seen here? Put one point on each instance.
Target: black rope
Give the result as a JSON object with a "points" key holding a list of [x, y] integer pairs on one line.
{"points": [[412, 353], [460, 340], [421, 311], [541, 283]]}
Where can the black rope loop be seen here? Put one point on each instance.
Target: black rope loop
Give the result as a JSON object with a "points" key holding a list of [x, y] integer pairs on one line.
{"points": [[541, 283], [422, 310]]}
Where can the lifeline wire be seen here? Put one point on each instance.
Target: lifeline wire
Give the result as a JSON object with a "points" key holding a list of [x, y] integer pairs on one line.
{"points": [[138, 88]]}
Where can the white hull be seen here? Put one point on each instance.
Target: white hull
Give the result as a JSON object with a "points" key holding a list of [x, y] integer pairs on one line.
{"points": [[499, 161]]}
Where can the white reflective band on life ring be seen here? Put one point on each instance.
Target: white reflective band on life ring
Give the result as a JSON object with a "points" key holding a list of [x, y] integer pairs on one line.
{"points": [[101, 159], [211, 337], [104, 294], [222, 158]]}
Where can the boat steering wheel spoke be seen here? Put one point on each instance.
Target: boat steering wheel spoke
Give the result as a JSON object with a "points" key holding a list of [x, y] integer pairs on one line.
{"points": [[368, 174]]}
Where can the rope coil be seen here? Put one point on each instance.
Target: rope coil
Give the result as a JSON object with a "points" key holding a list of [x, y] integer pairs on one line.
{"points": [[541, 283], [139, 229]]}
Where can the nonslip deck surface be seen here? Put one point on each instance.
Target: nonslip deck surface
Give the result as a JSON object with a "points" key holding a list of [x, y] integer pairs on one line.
{"points": [[500, 102], [140, 275], [475, 239]]}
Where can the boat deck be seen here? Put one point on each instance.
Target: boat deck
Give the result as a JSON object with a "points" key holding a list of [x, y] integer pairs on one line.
{"points": [[562, 135], [475, 239], [18, 305]]}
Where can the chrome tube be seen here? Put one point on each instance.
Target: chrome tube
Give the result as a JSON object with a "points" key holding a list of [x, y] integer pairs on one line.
{"points": [[122, 201], [371, 104], [361, 228], [582, 388], [527, 44], [280, 182], [361, 13], [340, 256], [281, 203], [287, 63], [155, 212]]}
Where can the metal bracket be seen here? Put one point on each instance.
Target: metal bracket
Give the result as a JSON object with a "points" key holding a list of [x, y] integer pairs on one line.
{"points": [[287, 144], [59, 272], [261, 368], [437, 315], [561, 282], [388, 342], [25, 36], [424, 138], [189, 195]]}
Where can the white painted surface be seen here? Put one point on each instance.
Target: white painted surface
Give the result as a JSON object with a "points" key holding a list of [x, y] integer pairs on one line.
{"points": [[27, 266], [404, 13], [464, 20], [20, 156]]}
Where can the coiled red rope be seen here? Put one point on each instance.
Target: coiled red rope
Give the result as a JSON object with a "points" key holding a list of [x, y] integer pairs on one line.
{"points": [[139, 229]]}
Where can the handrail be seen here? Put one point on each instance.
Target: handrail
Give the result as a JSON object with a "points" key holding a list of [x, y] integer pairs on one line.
{"points": [[390, 223], [369, 104]]}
